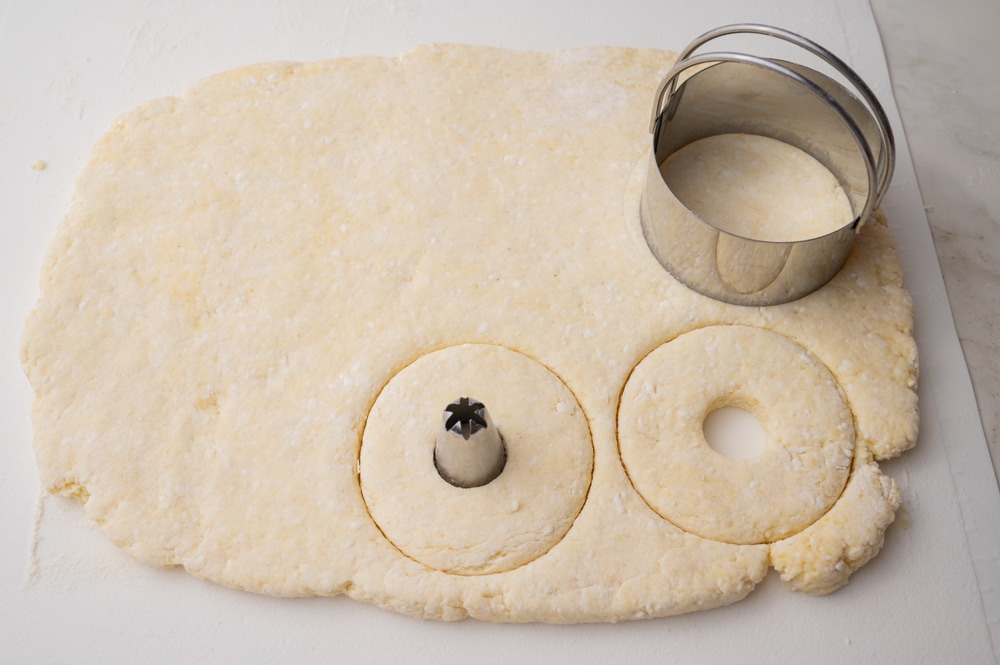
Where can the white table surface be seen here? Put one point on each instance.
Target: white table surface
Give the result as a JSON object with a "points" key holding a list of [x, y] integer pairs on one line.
{"points": [[932, 595]]}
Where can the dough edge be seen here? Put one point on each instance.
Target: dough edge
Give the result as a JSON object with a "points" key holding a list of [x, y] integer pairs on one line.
{"points": [[64, 475]]}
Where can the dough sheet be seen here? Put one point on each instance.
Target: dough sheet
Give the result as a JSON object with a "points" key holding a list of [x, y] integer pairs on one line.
{"points": [[245, 269]]}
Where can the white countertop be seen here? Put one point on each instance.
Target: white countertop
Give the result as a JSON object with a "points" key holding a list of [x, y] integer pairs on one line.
{"points": [[932, 595]]}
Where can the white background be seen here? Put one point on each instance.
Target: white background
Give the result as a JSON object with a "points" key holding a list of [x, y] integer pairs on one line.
{"points": [[66, 594]]}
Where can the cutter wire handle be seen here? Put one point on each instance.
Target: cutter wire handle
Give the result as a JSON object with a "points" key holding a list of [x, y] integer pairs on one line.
{"points": [[887, 156]]}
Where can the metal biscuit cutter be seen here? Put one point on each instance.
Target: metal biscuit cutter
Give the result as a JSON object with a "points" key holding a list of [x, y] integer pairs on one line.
{"points": [[469, 451], [738, 93]]}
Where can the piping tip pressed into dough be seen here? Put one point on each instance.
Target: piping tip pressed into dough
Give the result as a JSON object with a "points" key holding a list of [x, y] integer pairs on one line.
{"points": [[469, 451]]}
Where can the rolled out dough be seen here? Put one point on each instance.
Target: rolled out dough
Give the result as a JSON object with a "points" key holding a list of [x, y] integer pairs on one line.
{"points": [[245, 269], [733, 182]]}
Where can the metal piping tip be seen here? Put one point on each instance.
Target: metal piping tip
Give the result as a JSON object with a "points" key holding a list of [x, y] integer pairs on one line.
{"points": [[469, 451]]}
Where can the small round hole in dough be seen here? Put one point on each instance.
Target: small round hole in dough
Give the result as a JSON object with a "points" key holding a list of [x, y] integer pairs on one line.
{"points": [[734, 432]]}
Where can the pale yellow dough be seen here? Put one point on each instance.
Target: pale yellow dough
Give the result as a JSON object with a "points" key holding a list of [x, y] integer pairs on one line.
{"points": [[245, 269], [809, 430], [527, 509], [735, 181]]}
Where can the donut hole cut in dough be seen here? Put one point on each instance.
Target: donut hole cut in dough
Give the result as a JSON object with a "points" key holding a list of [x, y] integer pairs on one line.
{"points": [[512, 520], [793, 481], [734, 432]]}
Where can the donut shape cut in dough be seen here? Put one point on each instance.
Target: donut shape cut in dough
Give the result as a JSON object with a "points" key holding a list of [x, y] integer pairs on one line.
{"points": [[511, 520], [810, 434]]}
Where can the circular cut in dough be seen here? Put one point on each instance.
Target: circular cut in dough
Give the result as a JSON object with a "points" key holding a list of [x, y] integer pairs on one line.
{"points": [[810, 434], [506, 523]]}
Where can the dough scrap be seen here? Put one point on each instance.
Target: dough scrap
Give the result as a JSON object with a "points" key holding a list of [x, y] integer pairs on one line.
{"points": [[244, 268], [821, 557]]}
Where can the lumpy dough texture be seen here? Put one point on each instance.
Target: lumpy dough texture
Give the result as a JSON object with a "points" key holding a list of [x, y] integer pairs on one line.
{"points": [[244, 268], [809, 430]]}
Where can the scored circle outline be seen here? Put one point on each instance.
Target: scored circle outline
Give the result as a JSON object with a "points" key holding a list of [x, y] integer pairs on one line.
{"points": [[509, 522], [805, 463]]}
